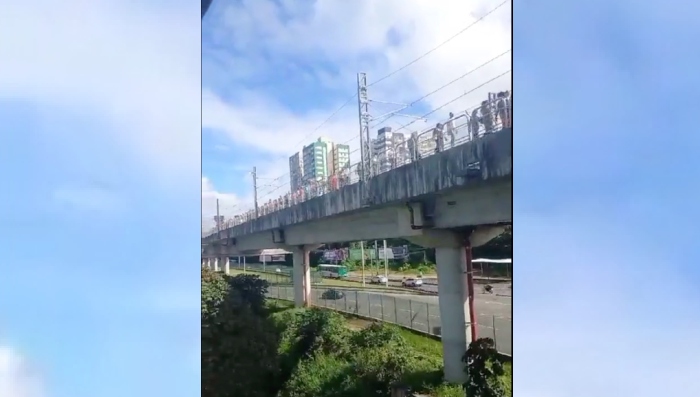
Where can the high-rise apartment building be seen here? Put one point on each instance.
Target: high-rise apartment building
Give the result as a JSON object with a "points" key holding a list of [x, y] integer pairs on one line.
{"points": [[315, 161], [339, 158], [388, 150], [419, 146], [296, 171]]}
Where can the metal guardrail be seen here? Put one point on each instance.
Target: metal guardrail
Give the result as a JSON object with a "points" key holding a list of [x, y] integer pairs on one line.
{"points": [[463, 128], [419, 316]]}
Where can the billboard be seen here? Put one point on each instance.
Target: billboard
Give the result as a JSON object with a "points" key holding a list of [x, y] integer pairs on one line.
{"points": [[335, 255], [396, 253]]}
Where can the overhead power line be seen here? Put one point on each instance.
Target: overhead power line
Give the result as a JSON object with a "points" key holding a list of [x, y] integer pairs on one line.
{"points": [[346, 103], [456, 99], [441, 44], [383, 120], [284, 184], [350, 99]]}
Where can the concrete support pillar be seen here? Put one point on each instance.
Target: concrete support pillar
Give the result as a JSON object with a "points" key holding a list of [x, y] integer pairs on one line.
{"points": [[209, 263], [301, 277], [227, 265], [216, 264], [454, 309]]}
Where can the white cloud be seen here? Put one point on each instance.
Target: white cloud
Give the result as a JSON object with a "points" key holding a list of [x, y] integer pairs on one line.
{"points": [[229, 204], [135, 69], [315, 33], [17, 379]]}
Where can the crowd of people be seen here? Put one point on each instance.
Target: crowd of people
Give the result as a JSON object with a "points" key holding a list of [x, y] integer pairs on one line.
{"points": [[490, 116]]}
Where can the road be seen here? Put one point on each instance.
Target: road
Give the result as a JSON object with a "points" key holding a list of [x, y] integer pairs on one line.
{"points": [[420, 312], [430, 283]]}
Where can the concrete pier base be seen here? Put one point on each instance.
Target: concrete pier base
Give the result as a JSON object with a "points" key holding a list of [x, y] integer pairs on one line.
{"points": [[216, 264], [227, 265], [454, 309], [301, 276]]}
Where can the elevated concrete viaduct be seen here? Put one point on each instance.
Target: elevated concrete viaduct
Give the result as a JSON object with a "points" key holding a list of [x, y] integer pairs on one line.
{"points": [[450, 201]]}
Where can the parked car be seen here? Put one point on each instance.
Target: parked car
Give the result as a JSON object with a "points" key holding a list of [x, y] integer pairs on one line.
{"points": [[332, 294], [378, 280], [411, 282]]}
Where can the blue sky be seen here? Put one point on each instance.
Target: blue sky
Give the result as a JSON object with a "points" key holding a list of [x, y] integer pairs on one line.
{"points": [[100, 159], [605, 262], [274, 71], [605, 157], [99, 294]]}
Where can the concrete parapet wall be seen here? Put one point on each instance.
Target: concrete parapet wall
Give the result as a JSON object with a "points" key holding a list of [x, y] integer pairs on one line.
{"points": [[489, 158]]}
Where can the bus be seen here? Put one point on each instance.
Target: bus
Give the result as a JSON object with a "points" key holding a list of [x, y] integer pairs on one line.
{"points": [[332, 271]]}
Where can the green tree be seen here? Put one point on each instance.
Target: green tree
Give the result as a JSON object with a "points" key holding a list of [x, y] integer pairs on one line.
{"points": [[239, 342], [485, 370]]}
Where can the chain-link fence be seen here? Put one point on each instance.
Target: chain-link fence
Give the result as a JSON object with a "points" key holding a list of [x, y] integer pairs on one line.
{"points": [[283, 277], [409, 313]]}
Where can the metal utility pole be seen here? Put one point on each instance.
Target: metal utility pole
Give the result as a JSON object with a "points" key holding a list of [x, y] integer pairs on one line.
{"points": [[362, 252], [255, 190], [474, 328], [218, 220], [364, 118], [376, 255], [367, 164], [386, 265]]}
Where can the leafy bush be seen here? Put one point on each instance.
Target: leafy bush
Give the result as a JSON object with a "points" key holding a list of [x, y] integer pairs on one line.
{"points": [[214, 290], [239, 342], [312, 330], [485, 369], [374, 370], [322, 375], [322, 358], [307, 333], [252, 290], [378, 335], [349, 264], [353, 363]]}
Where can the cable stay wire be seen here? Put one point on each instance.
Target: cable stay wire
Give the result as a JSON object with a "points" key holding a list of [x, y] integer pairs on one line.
{"points": [[347, 102], [456, 98], [403, 127], [252, 205], [440, 45], [329, 118], [411, 123], [445, 86]]}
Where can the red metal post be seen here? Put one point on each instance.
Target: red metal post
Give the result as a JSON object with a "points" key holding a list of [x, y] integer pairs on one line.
{"points": [[470, 290]]}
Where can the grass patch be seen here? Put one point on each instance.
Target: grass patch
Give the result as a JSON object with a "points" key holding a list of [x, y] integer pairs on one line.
{"points": [[422, 343], [426, 352]]}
